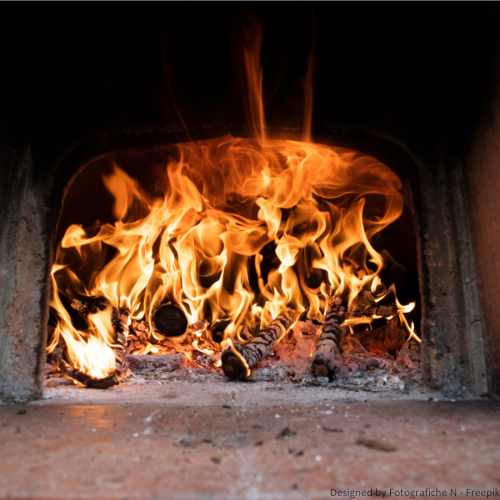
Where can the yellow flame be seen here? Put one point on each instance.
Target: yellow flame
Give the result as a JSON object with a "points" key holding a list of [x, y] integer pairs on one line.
{"points": [[243, 360], [241, 225], [313, 203], [89, 351]]}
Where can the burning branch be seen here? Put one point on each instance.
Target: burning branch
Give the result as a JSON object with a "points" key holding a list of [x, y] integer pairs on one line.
{"points": [[238, 359], [83, 378], [92, 305], [87, 306], [326, 359]]}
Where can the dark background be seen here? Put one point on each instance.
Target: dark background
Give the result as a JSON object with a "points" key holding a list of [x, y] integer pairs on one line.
{"points": [[418, 73], [73, 70]]}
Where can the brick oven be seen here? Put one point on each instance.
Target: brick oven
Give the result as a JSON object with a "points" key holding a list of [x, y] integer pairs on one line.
{"points": [[416, 90]]}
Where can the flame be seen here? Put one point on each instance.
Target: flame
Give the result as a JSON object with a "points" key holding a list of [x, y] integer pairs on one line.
{"points": [[205, 244], [225, 200], [89, 351]]}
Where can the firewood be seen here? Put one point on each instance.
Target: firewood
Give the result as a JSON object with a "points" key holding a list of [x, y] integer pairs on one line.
{"points": [[238, 359], [92, 305], [395, 335], [326, 360], [87, 380], [170, 320], [219, 326], [374, 346]]}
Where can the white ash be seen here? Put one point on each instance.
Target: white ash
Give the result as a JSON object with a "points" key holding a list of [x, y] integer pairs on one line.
{"points": [[139, 364]]}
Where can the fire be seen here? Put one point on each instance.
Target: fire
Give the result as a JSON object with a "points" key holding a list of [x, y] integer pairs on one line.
{"points": [[201, 245], [89, 351], [228, 204]]}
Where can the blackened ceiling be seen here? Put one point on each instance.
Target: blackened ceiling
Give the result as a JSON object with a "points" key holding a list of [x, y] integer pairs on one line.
{"points": [[70, 71]]}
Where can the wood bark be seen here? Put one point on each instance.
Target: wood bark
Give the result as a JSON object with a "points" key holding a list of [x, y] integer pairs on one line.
{"points": [[238, 359], [326, 360]]}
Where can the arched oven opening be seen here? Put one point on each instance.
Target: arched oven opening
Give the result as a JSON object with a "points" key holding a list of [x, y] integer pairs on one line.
{"points": [[285, 261]]}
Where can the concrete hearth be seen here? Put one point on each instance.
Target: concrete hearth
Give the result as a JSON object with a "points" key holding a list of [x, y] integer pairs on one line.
{"points": [[230, 441]]}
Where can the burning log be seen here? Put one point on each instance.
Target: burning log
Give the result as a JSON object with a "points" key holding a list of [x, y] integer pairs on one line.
{"points": [[170, 320], [87, 380], [92, 305], [395, 335], [326, 360], [238, 359]]}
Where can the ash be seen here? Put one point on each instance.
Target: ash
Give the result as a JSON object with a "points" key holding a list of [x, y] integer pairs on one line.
{"points": [[363, 370]]}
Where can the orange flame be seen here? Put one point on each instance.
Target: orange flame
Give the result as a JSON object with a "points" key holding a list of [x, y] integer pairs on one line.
{"points": [[200, 246]]}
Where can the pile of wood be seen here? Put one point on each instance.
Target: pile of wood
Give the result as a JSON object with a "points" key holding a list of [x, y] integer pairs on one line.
{"points": [[338, 348]]}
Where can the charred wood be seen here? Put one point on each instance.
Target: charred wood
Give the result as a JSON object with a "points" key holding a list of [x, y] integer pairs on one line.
{"points": [[91, 305], [395, 335], [409, 356], [83, 378], [170, 320], [238, 359], [326, 360], [120, 326], [355, 355], [146, 363]]}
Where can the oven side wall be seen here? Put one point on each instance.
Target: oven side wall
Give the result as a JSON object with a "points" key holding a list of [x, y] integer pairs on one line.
{"points": [[481, 160], [25, 257]]}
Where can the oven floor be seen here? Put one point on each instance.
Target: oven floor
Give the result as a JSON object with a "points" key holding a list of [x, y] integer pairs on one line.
{"points": [[243, 441]]}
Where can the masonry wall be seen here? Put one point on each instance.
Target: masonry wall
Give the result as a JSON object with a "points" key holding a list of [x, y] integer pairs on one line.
{"points": [[481, 159]]}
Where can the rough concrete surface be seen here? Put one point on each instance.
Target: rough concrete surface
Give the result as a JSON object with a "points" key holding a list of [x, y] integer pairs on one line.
{"points": [[242, 441], [25, 260]]}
